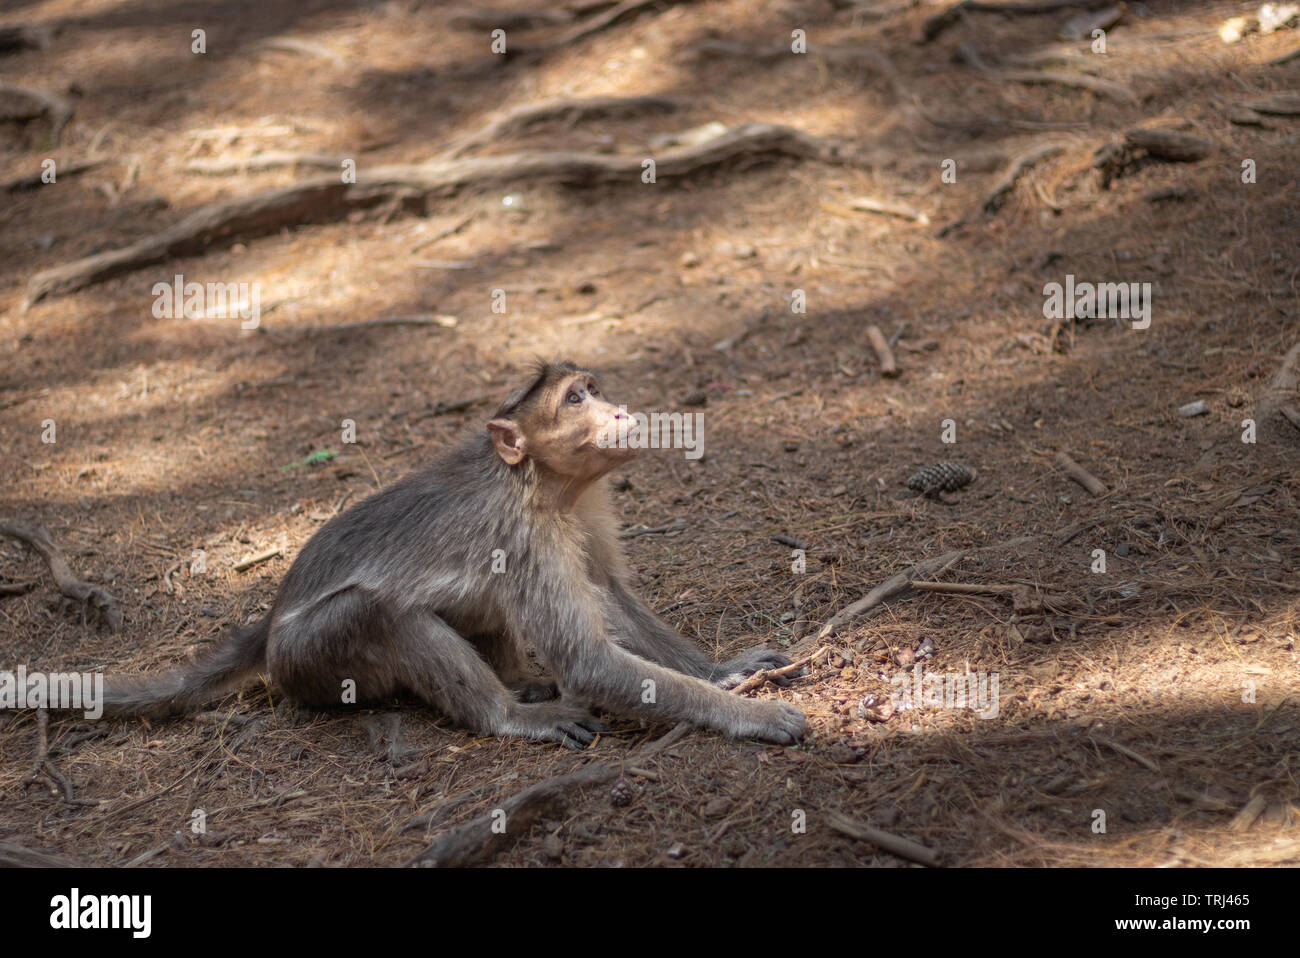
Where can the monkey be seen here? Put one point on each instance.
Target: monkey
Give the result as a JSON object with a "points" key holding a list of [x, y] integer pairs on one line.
{"points": [[433, 586]]}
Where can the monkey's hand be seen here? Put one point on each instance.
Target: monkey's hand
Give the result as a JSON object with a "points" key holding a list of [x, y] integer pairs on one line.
{"points": [[731, 673], [771, 722], [571, 725]]}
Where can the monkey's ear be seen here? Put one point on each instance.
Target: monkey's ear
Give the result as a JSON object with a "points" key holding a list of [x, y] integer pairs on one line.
{"points": [[508, 439]]}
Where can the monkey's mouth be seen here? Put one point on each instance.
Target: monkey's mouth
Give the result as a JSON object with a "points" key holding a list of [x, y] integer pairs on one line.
{"points": [[624, 437]]}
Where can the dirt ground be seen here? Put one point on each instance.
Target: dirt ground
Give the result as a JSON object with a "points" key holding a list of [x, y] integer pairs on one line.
{"points": [[1162, 693]]}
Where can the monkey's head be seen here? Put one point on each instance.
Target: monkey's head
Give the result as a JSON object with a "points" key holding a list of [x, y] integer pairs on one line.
{"points": [[562, 422]]}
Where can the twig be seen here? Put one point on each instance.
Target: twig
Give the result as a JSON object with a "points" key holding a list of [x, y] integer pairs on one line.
{"points": [[67, 582], [657, 530], [894, 844], [902, 582], [888, 365], [443, 233], [1249, 812], [267, 160], [867, 204], [1203, 802], [1065, 462], [42, 748], [766, 675], [1128, 753], [567, 109], [249, 561], [963, 588], [1072, 533], [372, 323], [477, 840]]}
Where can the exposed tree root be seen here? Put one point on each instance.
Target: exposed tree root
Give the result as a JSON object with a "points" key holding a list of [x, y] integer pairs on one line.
{"points": [[1079, 81], [64, 578], [516, 121], [23, 103], [937, 24], [478, 840], [325, 198]]}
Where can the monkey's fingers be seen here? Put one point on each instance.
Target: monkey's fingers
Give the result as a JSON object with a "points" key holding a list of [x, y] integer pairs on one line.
{"points": [[580, 733], [784, 680]]}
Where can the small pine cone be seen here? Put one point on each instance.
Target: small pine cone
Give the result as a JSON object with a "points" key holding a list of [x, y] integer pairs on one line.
{"points": [[941, 477], [620, 793]]}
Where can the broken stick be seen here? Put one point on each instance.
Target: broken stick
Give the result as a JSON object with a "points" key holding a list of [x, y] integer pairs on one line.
{"points": [[1065, 462], [894, 844], [249, 561], [888, 367], [766, 675]]}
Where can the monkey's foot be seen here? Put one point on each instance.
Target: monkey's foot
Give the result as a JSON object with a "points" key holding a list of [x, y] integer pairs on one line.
{"points": [[571, 725], [734, 671], [771, 722]]}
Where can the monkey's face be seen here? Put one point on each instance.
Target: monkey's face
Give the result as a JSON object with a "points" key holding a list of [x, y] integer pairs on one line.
{"points": [[581, 434], [569, 429]]}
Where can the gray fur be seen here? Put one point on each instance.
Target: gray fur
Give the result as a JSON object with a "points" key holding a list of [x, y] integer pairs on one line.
{"points": [[398, 595]]}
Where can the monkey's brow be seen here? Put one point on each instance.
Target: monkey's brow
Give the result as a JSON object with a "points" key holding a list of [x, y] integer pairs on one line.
{"points": [[562, 394]]}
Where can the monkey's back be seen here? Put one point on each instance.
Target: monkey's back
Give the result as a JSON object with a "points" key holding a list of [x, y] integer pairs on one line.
{"points": [[410, 543]]}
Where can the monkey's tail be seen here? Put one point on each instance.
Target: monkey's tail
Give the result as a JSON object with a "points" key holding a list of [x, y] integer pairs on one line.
{"points": [[187, 687]]}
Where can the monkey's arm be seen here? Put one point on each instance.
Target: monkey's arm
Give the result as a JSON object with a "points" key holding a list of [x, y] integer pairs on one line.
{"points": [[589, 667], [636, 628], [566, 619]]}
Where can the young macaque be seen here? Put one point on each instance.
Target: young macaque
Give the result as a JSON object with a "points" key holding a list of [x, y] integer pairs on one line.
{"points": [[434, 585]]}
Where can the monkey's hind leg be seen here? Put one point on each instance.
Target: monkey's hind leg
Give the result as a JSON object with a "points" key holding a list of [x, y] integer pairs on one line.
{"points": [[445, 670]]}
